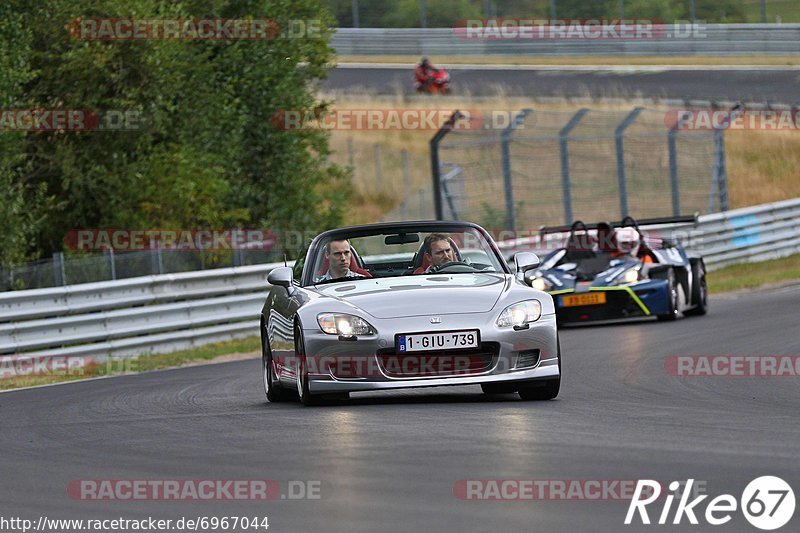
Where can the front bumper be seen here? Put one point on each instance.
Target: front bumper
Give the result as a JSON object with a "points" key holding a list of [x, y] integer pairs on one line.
{"points": [[505, 355], [643, 299]]}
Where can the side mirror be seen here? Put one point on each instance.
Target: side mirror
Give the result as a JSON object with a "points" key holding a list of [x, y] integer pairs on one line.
{"points": [[526, 261], [282, 277]]}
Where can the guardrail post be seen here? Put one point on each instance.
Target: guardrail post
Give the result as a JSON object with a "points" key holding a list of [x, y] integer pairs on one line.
{"points": [[673, 170], [436, 171], [156, 261], [59, 272], [110, 253], [505, 149], [618, 133], [563, 138]]}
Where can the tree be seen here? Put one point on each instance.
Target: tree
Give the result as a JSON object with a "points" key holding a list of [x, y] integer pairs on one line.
{"points": [[205, 152]]}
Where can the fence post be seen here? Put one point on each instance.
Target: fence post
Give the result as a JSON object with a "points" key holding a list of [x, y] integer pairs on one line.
{"points": [[376, 148], [156, 261], [673, 170], [563, 138], [406, 183], [618, 133], [435, 170], [721, 168], [59, 272], [505, 150]]}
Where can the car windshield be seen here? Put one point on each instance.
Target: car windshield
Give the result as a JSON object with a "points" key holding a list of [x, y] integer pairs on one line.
{"points": [[406, 252]]}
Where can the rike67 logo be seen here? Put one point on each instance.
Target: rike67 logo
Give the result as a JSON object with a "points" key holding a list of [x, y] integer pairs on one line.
{"points": [[767, 503]]}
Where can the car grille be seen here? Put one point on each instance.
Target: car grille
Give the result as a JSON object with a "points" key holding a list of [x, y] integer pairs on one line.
{"points": [[437, 364]]}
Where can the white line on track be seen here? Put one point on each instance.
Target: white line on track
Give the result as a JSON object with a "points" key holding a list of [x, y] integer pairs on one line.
{"points": [[581, 68]]}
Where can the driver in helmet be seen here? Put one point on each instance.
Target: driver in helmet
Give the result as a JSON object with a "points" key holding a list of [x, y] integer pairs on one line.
{"points": [[628, 244]]}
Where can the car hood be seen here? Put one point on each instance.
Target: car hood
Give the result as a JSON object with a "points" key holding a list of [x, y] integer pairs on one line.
{"points": [[435, 294]]}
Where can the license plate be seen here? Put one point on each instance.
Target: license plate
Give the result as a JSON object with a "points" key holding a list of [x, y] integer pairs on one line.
{"points": [[441, 340], [574, 300]]}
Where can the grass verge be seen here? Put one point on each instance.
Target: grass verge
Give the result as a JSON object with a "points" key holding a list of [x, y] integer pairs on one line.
{"points": [[117, 366], [754, 275]]}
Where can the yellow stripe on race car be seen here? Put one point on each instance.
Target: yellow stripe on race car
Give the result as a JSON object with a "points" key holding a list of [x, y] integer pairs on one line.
{"points": [[632, 294]]}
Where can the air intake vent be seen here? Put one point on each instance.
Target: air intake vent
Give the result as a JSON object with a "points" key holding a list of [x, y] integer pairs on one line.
{"points": [[528, 358]]}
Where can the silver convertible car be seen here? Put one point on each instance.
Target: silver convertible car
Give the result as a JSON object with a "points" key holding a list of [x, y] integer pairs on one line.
{"points": [[407, 304]]}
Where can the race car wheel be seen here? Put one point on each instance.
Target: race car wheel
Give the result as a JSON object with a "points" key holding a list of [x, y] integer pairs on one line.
{"points": [[303, 392], [672, 295], [541, 390], [272, 386], [699, 290]]}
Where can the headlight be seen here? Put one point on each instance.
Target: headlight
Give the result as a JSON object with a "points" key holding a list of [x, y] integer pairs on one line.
{"points": [[344, 325], [539, 284], [630, 276], [520, 314]]}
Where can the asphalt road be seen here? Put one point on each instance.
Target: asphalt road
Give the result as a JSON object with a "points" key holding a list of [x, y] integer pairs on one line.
{"points": [[389, 461], [777, 86]]}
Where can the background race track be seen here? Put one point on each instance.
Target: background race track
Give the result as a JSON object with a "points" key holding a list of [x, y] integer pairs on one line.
{"points": [[759, 84], [388, 461]]}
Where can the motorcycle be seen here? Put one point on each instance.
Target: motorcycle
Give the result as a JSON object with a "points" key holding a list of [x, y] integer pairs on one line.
{"points": [[437, 82]]}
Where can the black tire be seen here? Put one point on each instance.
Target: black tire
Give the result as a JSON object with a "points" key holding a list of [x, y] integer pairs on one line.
{"points": [[699, 290], [303, 393], [672, 292], [542, 390], [272, 386]]}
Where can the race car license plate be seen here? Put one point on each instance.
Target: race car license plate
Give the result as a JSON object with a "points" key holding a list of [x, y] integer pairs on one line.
{"points": [[574, 300], [444, 340]]}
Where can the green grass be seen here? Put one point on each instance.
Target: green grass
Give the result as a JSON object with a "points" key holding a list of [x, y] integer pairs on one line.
{"points": [[787, 10], [144, 363], [754, 275]]}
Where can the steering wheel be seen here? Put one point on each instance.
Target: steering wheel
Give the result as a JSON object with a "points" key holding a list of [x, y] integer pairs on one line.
{"points": [[463, 267]]}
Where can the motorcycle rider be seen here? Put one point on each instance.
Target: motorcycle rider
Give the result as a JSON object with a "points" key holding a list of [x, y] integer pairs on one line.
{"points": [[423, 73]]}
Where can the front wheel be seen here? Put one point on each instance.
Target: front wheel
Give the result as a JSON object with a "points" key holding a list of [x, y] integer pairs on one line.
{"points": [[272, 386], [699, 290], [672, 294], [303, 392]]}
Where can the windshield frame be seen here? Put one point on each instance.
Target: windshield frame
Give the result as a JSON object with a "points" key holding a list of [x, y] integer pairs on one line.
{"points": [[393, 228]]}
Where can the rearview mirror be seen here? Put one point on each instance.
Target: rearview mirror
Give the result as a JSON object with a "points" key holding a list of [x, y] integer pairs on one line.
{"points": [[526, 261], [402, 238], [282, 277]]}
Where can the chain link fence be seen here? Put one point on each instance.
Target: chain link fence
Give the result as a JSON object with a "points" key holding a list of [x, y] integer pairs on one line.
{"points": [[552, 167]]}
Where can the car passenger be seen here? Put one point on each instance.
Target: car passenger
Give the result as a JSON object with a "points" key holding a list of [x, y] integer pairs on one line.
{"points": [[338, 255]]}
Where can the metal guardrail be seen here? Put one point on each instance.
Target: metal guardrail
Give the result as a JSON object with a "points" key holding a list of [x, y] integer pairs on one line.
{"points": [[156, 314], [134, 316], [703, 39]]}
